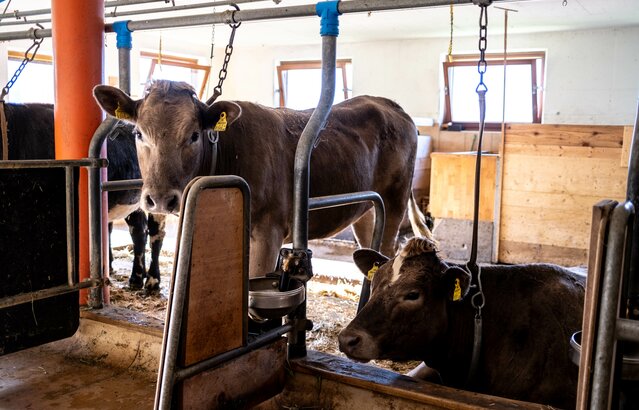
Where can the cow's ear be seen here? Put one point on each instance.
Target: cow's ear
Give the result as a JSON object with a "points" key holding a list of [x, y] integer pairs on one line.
{"points": [[456, 282], [116, 102], [220, 115], [368, 261]]}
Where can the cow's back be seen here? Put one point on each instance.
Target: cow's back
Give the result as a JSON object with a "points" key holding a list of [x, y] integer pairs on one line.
{"points": [[530, 314], [368, 143], [30, 131]]}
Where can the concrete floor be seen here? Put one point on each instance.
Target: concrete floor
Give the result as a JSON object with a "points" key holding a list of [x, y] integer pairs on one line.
{"points": [[98, 368]]}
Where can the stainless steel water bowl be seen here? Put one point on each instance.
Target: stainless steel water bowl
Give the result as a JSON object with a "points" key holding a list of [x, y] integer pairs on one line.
{"points": [[629, 367], [267, 302]]}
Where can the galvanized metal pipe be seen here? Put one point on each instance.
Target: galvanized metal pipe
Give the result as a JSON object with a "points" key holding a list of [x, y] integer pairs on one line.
{"points": [[331, 201], [122, 185], [260, 341], [71, 236], [50, 163], [301, 173], [95, 207], [45, 293], [271, 13], [628, 330], [609, 306]]}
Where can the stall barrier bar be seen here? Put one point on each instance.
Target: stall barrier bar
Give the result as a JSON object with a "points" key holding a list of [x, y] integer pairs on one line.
{"points": [[123, 185], [260, 341], [95, 208], [272, 13], [322, 202], [17, 16], [615, 264], [50, 163], [72, 274], [46, 293], [173, 326], [628, 330]]}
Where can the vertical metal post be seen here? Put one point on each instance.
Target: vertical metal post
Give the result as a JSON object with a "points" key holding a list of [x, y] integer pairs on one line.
{"points": [[632, 190], [78, 60], [606, 342], [124, 44], [329, 31]]}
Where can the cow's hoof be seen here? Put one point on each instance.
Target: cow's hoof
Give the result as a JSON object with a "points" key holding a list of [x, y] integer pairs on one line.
{"points": [[152, 285], [135, 283]]}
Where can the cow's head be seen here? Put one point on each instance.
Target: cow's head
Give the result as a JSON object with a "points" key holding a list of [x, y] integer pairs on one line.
{"points": [[407, 311], [172, 128]]}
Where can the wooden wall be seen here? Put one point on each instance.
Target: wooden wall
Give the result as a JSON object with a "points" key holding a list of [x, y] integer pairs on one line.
{"points": [[452, 187], [552, 176]]}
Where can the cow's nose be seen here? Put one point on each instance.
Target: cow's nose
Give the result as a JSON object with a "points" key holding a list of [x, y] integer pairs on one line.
{"points": [[348, 342], [172, 203], [150, 203]]}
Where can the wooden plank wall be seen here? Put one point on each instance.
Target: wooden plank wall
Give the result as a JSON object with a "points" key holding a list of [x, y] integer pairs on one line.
{"points": [[553, 175], [452, 187]]}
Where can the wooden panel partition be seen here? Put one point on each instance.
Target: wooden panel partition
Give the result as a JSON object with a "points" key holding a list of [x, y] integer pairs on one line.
{"points": [[552, 176]]}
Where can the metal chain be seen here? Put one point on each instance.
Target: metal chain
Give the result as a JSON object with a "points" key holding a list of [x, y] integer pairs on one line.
{"points": [[483, 41], [228, 51], [37, 41]]}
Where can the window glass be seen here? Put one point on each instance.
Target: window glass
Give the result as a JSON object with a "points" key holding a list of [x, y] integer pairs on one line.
{"points": [[300, 83], [463, 82], [35, 83]]}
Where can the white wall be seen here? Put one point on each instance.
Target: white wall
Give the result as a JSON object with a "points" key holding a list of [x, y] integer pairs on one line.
{"points": [[592, 76]]}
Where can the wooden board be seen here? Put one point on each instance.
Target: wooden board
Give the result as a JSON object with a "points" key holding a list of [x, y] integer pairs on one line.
{"points": [[552, 176], [338, 383], [216, 282], [627, 144], [600, 216], [453, 183], [238, 384]]}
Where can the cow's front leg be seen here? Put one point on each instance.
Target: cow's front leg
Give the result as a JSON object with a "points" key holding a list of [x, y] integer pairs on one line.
{"points": [[265, 245], [137, 228], [156, 224]]}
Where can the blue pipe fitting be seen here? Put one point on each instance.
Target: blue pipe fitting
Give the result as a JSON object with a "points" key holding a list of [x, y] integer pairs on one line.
{"points": [[328, 11], [123, 34]]}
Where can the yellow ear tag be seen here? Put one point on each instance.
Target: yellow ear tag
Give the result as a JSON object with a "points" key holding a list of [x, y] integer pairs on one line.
{"points": [[120, 114], [221, 124], [371, 272], [457, 291]]}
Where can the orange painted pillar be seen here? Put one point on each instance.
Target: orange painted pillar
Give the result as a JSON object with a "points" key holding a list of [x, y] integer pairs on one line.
{"points": [[78, 55]]}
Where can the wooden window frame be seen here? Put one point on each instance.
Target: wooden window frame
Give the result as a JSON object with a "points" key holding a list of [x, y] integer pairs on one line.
{"points": [[309, 65], [39, 58], [497, 59], [176, 61]]}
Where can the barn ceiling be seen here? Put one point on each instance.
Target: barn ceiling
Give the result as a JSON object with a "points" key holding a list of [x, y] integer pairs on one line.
{"points": [[531, 16]]}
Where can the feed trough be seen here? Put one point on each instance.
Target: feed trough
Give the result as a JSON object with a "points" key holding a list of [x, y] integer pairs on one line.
{"points": [[629, 367]]}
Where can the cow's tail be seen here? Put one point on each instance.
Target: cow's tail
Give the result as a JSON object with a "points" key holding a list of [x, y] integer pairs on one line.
{"points": [[417, 219]]}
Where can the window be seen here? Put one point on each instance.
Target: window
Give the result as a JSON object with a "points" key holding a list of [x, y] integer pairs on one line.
{"points": [[35, 83], [524, 89], [300, 83], [158, 67]]}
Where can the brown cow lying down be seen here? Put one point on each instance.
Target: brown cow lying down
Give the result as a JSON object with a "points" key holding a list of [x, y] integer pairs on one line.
{"points": [[530, 313]]}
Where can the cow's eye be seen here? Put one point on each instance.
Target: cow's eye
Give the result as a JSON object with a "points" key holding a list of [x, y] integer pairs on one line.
{"points": [[138, 135], [411, 296], [195, 136]]}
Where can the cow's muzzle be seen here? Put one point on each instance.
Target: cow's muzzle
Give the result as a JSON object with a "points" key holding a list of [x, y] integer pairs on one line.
{"points": [[161, 202], [357, 345]]}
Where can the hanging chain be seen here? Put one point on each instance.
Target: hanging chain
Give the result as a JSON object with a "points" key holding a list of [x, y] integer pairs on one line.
{"points": [[483, 41], [228, 51], [37, 41]]}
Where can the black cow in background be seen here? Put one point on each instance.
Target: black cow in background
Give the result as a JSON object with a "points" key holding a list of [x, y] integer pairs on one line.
{"points": [[30, 131]]}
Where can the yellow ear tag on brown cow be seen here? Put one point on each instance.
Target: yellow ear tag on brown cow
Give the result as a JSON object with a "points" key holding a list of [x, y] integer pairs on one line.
{"points": [[221, 123], [371, 272], [120, 114], [457, 291]]}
